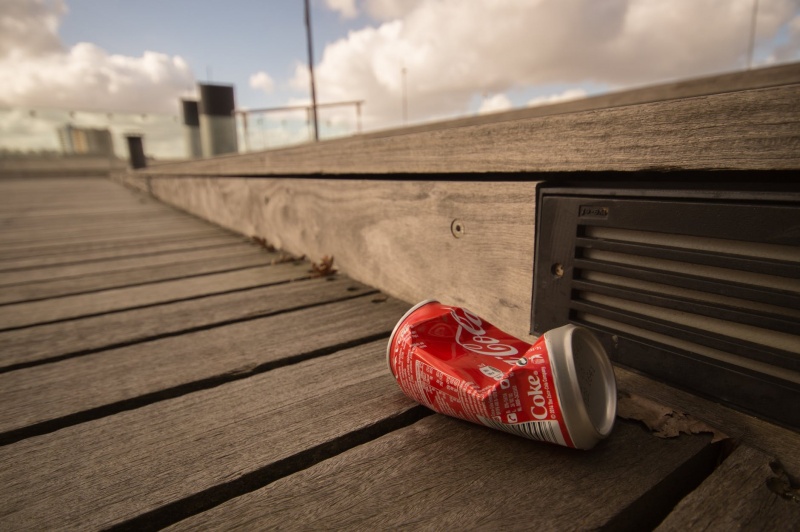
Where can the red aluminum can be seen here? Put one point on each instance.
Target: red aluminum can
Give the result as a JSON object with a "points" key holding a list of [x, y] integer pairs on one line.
{"points": [[560, 390]]}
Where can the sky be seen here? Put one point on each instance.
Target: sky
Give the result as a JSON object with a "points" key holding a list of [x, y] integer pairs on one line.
{"points": [[448, 57]]}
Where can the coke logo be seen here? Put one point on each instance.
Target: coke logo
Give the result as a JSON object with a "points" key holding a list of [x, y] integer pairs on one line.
{"points": [[472, 336]]}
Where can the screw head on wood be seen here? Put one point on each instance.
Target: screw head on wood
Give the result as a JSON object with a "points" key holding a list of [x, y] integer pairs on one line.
{"points": [[457, 228]]}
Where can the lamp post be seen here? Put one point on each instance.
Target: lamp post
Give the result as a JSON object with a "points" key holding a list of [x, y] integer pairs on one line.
{"points": [[311, 70]]}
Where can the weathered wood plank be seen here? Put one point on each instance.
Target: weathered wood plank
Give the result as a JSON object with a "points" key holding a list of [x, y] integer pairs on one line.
{"points": [[745, 493], [144, 227], [114, 469], [88, 243], [771, 439], [19, 229], [57, 167], [33, 215], [39, 213], [70, 256], [42, 393], [31, 275], [746, 130], [395, 235], [717, 84], [441, 474], [117, 279], [71, 307], [56, 340]]}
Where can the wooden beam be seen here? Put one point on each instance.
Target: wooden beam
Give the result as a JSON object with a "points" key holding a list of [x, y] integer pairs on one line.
{"points": [[398, 236], [756, 129]]}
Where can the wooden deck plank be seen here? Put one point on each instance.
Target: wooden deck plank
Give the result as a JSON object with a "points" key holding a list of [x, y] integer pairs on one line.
{"points": [[143, 228], [114, 469], [69, 256], [771, 439], [745, 130], [31, 215], [116, 279], [58, 340], [88, 227], [43, 393], [75, 244], [441, 474], [31, 275], [745, 493], [20, 315]]}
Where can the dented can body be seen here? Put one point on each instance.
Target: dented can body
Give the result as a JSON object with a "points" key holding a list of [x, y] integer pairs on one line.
{"points": [[561, 389]]}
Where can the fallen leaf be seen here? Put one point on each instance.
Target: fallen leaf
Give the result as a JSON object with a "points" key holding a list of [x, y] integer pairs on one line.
{"points": [[324, 268], [662, 420]]}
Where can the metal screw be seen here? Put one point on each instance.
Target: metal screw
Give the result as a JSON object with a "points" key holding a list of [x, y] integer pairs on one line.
{"points": [[457, 228], [557, 270]]}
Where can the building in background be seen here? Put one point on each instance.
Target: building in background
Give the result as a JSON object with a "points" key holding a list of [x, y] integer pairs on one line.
{"points": [[217, 120], [85, 141], [191, 128]]}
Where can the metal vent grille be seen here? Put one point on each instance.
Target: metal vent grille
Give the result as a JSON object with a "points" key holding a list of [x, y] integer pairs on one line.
{"points": [[700, 292]]}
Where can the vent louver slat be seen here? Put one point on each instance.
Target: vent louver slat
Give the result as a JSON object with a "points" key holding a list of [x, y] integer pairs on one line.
{"points": [[712, 304]]}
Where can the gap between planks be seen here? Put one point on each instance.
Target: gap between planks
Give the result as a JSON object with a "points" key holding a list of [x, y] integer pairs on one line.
{"points": [[88, 335], [42, 399], [279, 414]]}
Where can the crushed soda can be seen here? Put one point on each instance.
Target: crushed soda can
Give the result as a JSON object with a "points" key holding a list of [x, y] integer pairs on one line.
{"points": [[560, 390]]}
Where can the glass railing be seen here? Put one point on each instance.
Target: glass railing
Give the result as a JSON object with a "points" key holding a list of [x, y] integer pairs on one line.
{"points": [[63, 132], [276, 127], [53, 132]]}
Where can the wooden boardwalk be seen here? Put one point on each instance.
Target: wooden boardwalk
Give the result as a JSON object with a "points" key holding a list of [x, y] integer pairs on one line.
{"points": [[157, 371]]}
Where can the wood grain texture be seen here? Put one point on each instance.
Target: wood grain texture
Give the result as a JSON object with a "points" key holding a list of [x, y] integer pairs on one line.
{"points": [[31, 275], [771, 439], [747, 130], [113, 300], [745, 493], [57, 167], [393, 235], [92, 243], [70, 256], [55, 340], [42, 393], [116, 279], [716, 84], [445, 474], [106, 471], [143, 228], [142, 213]]}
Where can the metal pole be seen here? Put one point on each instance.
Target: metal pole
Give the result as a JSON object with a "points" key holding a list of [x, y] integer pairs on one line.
{"points": [[311, 69], [358, 117], [243, 114]]}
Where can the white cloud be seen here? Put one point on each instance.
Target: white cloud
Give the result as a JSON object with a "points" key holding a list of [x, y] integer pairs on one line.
{"points": [[301, 80], [29, 28], [36, 71], [261, 80], [454, 49], [569, 94], [498, 102], [390, 9], [345, 8]]}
